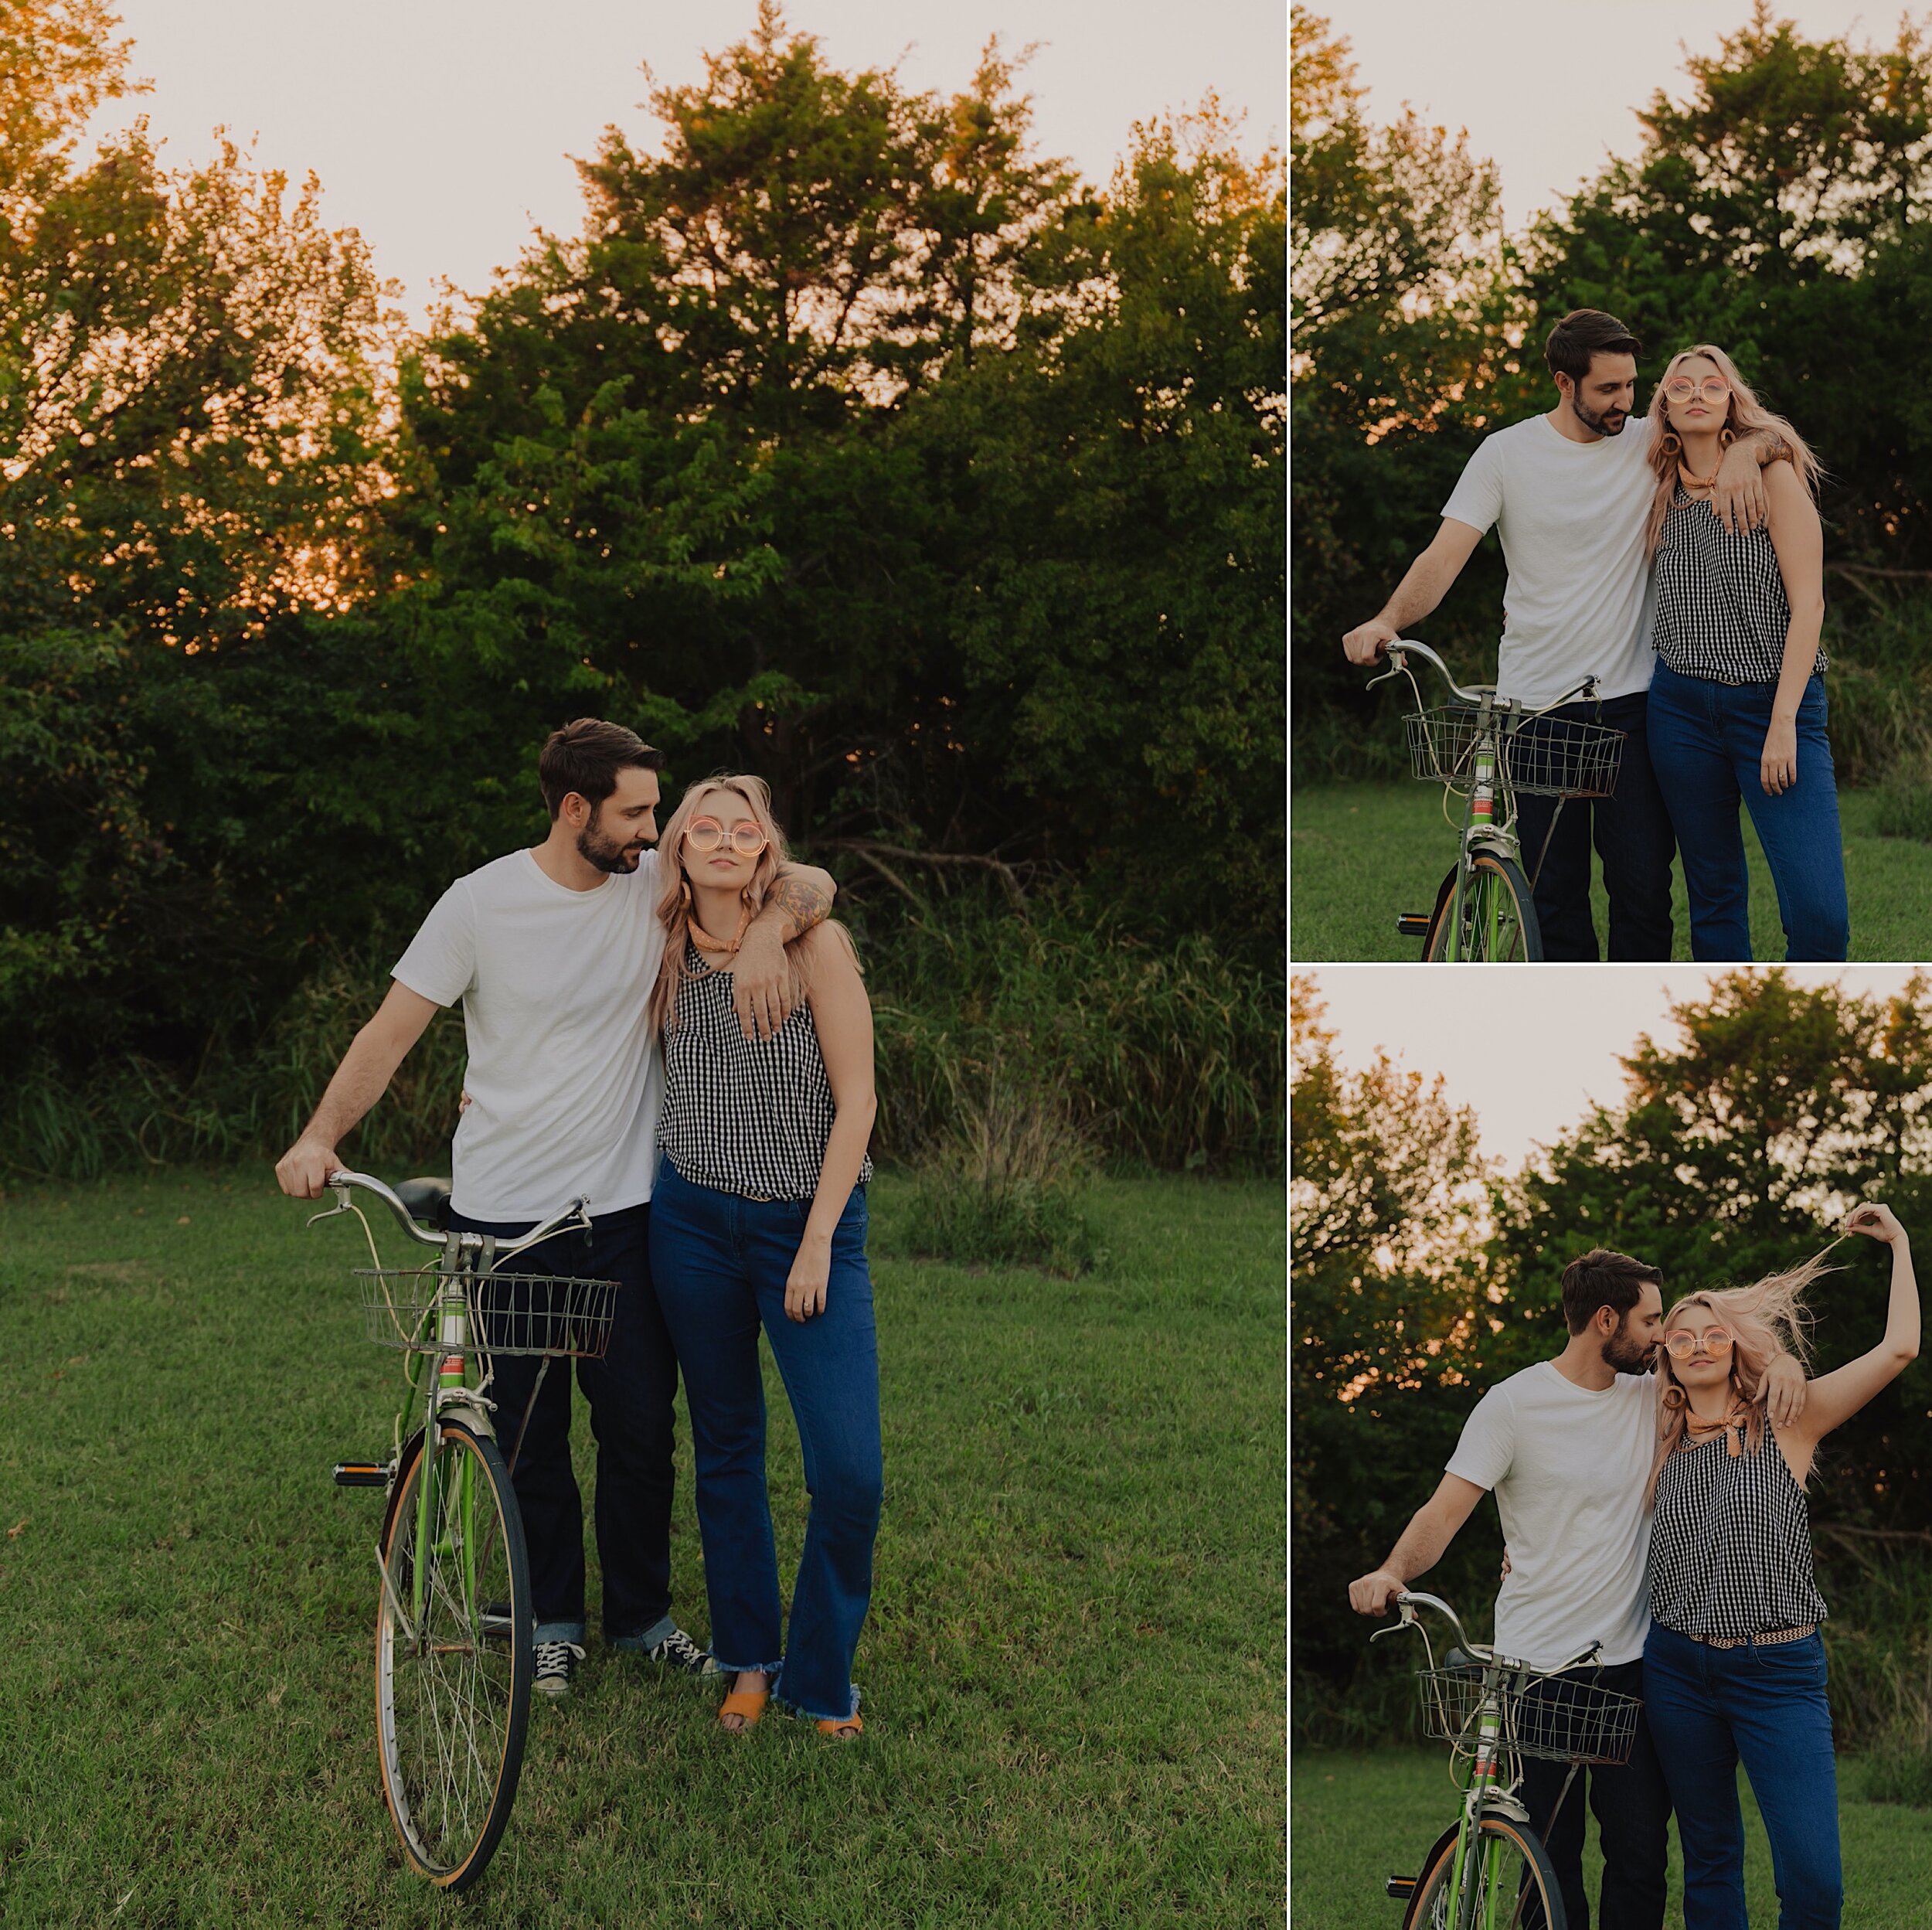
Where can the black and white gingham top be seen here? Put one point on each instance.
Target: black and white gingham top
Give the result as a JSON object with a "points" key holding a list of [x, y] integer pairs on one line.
{"points": [[746, 1117], [1730, 1543], [1722, 612]]}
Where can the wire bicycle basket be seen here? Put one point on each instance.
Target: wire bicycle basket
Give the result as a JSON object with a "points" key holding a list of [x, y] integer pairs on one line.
{"points": [[1539, 757], [533, 1313], [1555, 1717]]}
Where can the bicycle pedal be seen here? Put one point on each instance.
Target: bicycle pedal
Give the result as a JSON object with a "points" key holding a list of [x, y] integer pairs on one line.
{"points": [[361, 1474], [1401, 1888], [1413, 924]]}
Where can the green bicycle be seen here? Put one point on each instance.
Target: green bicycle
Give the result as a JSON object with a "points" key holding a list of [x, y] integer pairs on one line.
{"points": [[455, 1627], [1489, 1868], [1488, 750]]}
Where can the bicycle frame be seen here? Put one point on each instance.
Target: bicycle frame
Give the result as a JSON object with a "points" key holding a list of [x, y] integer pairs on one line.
{"points": [[1495, 1771], [1482, 830], [467, 1259]]}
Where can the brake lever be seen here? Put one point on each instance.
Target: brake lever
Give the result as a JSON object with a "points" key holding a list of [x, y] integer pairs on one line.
{"points": [[1406, 1612], [329, 1213]]}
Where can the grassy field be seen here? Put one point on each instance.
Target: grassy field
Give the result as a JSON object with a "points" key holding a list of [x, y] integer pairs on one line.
{"points": [[1362, 852], [1356, 1820], [1071, 1672]]}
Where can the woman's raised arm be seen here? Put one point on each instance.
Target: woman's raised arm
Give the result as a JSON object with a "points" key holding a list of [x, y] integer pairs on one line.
{"points": [[1837, 1396]]}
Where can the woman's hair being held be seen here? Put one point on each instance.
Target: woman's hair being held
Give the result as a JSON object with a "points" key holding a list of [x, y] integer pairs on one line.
{"points": [[1744, 415], [1764, 1319]]}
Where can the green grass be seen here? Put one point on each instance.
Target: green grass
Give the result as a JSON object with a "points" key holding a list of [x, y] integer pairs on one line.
{"points": [[1071, 1679], [1362, 852], [1356, 1820]]}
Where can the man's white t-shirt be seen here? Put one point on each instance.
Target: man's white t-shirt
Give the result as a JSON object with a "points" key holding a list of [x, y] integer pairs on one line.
{"points": [[1571, 517], [565, 1078], [1569, 1467]]}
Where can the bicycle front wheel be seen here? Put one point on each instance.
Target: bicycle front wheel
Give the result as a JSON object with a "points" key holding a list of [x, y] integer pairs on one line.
{"points": [[1497, 918], [454, 1654], [1507, 1883]]}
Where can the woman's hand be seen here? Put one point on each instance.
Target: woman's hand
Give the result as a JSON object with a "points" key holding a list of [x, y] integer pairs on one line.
{"points": [[1778, 766], [810, 1271], [1875, 1222]]}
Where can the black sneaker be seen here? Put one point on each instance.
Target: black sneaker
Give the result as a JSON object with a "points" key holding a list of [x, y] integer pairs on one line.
{"points": [[556, 1663], [678, 1653]]}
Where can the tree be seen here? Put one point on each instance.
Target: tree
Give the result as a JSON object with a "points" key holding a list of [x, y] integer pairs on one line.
{"points": [[1407, 330], [190, 393], [1393, 1311], [1736, 1152]]}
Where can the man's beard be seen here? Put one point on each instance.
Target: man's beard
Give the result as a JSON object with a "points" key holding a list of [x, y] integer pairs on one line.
{"points": [[1626, 1355], [617, 856], [1601, 424]]}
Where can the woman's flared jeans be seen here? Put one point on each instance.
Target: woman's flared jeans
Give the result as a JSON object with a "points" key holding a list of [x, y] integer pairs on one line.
{"points": [[719, 1263]]}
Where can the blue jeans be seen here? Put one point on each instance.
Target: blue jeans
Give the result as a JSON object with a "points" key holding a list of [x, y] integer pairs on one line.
{"points": [[1709, 1707], [1707, 740], [1631, 833], [630, 1391], [720, 1263]]}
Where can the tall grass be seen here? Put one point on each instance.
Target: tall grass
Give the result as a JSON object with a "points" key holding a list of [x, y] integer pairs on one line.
{"points": [[1170, 1056]]}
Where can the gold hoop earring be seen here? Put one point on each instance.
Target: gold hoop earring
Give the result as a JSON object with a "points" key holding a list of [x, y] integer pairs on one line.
{"points": [[684, 894], [1671, 446]]}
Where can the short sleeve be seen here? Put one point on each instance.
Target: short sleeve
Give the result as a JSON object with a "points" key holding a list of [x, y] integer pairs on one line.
{"points": [[441, 962], [1488, 1442], [1477, 499]]}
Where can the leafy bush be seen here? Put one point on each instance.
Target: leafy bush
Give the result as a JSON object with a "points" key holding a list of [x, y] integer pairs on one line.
{"points": [[1003, 1187]]}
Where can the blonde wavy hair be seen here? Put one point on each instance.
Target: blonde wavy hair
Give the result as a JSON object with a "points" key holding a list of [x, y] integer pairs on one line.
{"points": [[674, 893], [1745, 414], [1764, 1319]]}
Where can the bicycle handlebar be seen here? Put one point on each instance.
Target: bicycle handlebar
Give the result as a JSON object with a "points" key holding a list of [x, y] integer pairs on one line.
{"points": [[1402, 646], [1407, 1603], [573, 1218]]}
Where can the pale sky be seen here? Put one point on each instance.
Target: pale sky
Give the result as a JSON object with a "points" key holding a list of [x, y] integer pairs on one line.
{"points": [[1530, 1049], [1548, 89], [443, 129]]}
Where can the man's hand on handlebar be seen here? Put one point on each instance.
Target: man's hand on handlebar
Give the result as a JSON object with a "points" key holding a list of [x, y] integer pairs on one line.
{"points": [[1369, 642], [302, 1172], [1374, 1594]]}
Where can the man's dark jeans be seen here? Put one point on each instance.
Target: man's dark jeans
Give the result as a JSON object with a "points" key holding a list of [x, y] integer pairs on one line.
{"points": [[1632, 835], [1631, 1802], [630, 1392]]}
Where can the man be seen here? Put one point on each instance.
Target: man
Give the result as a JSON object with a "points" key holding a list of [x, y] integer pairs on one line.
{"points": [[1569, 493], [1567, 1447], [553, 952]]}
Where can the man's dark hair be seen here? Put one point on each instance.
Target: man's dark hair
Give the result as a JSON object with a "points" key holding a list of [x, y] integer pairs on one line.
{"points": [[586, 756], [1583, 333], [1601, 1279]]}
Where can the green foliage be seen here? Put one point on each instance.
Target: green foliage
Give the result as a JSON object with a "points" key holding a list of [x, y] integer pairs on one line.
{"points": [[1405, 352], [1167, 1054], [1389, 1317], [851, 442], [1003, 1187]]}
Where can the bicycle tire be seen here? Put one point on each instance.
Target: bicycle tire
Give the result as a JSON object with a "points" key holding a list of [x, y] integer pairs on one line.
{"points": [[450, 1738], [1498, 922], [1515, 1863]]}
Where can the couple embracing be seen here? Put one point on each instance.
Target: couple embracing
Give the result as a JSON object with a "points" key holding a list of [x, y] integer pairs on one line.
{"points": [[1651, 1480], [1677, 557], [679, 1035]]}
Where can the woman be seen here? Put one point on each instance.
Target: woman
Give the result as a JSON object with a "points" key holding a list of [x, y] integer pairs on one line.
{"points": [[758, 1220], [1737, 700], [1734, 1665]]}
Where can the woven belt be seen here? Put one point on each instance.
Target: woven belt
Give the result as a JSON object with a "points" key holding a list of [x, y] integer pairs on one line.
{"points": [[1765, 1641]]}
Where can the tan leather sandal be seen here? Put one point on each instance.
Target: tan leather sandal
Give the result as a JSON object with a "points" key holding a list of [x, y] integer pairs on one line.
{"points": [[844, 1727], [747, 1703]]}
